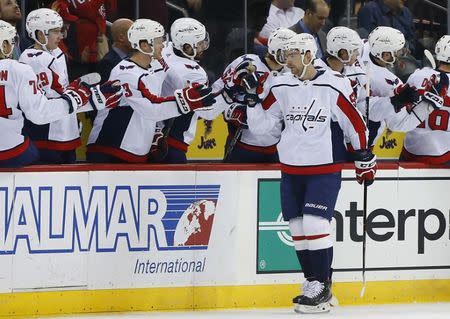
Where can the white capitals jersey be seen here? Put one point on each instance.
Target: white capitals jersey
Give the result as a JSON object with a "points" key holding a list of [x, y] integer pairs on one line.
{"points": [[182, 72], [51, 71], [127, 131], [381, 111], [316, 114], [249, 136], [19, 87], [430, 141]]}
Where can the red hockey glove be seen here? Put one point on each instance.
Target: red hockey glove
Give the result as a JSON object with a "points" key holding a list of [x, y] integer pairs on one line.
{"points": [[76, 94], [365, 166], [236, 114], [433, 93], [197, 97]]}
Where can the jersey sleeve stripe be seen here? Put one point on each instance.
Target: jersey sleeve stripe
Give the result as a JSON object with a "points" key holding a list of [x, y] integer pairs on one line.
{"points": [[268, 101], [352, 114], [152, 97], [56, 85]]}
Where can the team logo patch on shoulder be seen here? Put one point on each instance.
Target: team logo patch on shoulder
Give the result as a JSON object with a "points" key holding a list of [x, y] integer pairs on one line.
{"points": [[123, 67], [164, 64], [30, 55], [192, 67], [393, 82]]}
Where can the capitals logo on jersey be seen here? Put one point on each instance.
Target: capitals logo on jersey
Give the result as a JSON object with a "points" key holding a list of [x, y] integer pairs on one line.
{"points": [[306, 116]]}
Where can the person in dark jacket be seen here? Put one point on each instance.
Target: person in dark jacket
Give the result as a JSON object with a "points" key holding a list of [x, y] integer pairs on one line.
{"points": [[120, 49], [316, 15]]}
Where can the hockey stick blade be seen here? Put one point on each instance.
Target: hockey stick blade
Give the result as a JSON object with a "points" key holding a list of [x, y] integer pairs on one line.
{"points": [[91, 78], [430, 58], [363, 291]]}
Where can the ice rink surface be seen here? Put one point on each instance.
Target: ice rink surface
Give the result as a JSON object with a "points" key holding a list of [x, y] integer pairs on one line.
{"points": [[404, 311]]}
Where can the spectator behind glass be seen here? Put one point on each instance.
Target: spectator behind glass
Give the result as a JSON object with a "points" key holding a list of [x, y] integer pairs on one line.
{"points": [[390, 13], [62, 8], [10, 12], [150, 9], [282, 13], [120, 48], [316, 15]]}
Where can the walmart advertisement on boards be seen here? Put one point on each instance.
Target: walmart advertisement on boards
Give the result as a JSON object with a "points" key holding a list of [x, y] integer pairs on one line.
{"points": [[135, 229]]}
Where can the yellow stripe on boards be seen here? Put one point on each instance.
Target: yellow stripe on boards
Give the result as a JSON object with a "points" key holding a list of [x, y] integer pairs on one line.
{"points": [[212, 297]]}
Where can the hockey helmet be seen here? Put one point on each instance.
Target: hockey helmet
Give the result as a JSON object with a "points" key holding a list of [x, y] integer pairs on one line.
{"points": [[189, 31], [145, 30], [7, 33], [276, 43], [42, 20], [442, 49], [343, 38], [303, 42], [386, 39]]}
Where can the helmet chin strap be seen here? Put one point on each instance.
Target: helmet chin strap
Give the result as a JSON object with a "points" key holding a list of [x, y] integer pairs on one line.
{"points": [[275, 56], [345, 61], [305, 66], [151, 53], [44, 45], [391, 63], [192, 57], [7, 55]]}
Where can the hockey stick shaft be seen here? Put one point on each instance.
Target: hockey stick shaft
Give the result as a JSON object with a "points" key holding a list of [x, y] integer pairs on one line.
{"points": [[232, 143], [363, 289]]}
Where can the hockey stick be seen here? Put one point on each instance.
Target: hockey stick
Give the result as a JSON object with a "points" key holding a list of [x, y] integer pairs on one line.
{"points": [[430, 58], [232, 143], [363, 289]]}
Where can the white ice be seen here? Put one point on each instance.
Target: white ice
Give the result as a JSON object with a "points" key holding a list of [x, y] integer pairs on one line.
{"points": [[403, 311]]}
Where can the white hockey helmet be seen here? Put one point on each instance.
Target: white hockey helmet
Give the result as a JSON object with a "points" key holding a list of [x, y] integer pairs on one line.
{"points": [[343, 38], [145, 30], [442, 49], [386, 39], [303, 43], [42, 20], [7, 33], [277, 41], [189, 31]]}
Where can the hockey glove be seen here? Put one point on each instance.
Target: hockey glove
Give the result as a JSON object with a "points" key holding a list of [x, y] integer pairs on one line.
{"points": [[76, 94], [234, 87], [197, 97], [365, 166], [254, 84], [106, 96], [159, 148], [236, 115], [404, 96]]}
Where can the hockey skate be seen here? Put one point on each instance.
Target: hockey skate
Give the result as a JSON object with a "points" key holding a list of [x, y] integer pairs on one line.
{"points": [[316, 298], [305, 285], [333, 301]]}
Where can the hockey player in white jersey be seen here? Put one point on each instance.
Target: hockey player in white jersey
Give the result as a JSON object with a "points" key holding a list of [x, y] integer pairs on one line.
{"points": [[317, 109], [22, 96], [56, 141], [430, 141], [243, 144], [343, 46], [189, 41], [125, 134]]}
